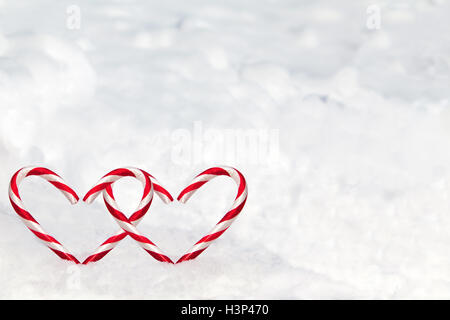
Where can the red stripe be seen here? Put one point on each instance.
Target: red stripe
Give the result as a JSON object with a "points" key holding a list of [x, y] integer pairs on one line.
{"points": [[120, 172], [242, 184], [211, 237], [65, 256], [21, 212], [147, 174], [40, 171], [115, 238], [139, 238], [96, 257], [45, 237], [157, 187], [233, 213], [64, 187], [140, 213], [109, 191], [147, 186], [160, 189], [13, 184], [190, 188], [119, 215], [190, 256], [159, 257], [116, 213], [96, 189], [216, 171]]}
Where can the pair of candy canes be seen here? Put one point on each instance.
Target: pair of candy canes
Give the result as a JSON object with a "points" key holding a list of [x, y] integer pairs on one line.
{"points": [[128, 225]]}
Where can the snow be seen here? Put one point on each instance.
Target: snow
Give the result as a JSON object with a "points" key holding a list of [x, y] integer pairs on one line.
{"points": [[348, 169]]}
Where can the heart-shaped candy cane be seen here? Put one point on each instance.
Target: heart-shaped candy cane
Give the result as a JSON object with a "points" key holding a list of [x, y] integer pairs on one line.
{"points": [[135, 218], [28, 219], [228, 218], [103, 185]]}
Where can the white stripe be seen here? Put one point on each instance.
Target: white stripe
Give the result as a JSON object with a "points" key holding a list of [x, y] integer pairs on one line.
{"points": [[148, 198], [219, 227], [150, 247], [187, 196], [105, 247], [15, 199], [239, 200], [222, 226], [233, 174], [203, 177], [56, 246], [163, 197], [199, 246], [48, 177], [137, 221], [128, 227], [52, 177], [22, 174], [33, 225], [138, 174]]}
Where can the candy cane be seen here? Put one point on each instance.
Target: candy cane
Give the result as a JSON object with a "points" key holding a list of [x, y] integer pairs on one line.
{"points": [[135, 218], [127, 226], [227, 219], [28, 219]]}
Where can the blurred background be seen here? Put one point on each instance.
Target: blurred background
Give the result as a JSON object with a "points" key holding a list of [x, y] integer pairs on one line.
{"points": [[336, 112]]}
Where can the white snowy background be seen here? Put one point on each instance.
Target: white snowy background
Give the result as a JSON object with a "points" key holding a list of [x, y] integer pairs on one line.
{"points": [[347, 105]]}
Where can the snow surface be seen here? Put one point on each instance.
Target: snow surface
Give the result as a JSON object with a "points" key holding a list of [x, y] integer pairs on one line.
{"points": [[353, 201]]}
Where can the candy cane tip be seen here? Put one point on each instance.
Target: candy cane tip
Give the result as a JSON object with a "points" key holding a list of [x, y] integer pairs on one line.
{"points": [[168, 201], [73, 198], [183, 198], [180, 260], [88, 199], [165, 199]]}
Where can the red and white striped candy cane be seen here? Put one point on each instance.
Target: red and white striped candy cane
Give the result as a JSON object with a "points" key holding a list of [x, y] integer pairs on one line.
{"points": [[126, 225], [135, 218], [227, 219], [28, 219]]}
